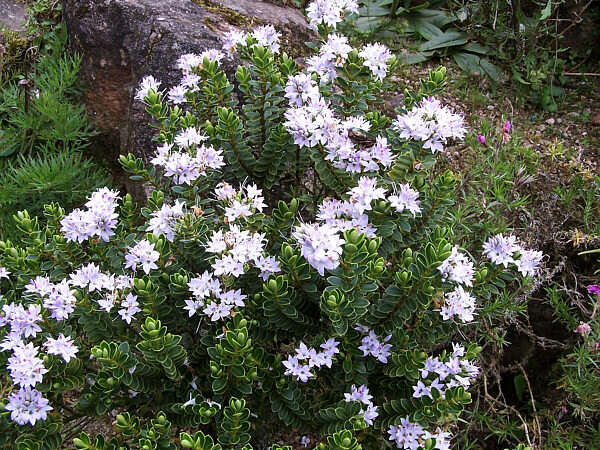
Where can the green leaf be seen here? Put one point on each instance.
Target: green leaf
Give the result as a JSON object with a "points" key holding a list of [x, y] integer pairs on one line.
{"points": [[427, 29], [476, 65], [547, 11], [444, 40], [414, 58]]}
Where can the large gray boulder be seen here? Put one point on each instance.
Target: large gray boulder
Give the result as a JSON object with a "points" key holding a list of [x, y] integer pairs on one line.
{"points": [[122, 41], [12, 15]]}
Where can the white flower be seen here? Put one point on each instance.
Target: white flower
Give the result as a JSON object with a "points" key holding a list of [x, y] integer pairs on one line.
{"points": [[501, 249], [457, 268], [321, 245], [459, 303], [27, 405], [431, 123], [267, 36], [529, 262], [405, 198], [148, 83], [232, 39], [129, 307], [376, 57], [62, 346]]}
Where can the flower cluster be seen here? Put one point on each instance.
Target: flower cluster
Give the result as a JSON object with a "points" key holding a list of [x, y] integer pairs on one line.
{"points": [[240, 204], [302, 371], [27, 405], [432, 123], [148, 83], [361, 394], [144, 254], [321, 245], [329, 12], [186, 166], [211, 299], [332, 55], [376, 58], [235, 248], [405, 198], [458, 303], [164, 221], [343, 216], [266, 36], [442, 375], [457, 268], [412, 436], [314, 123], [371, 345], [99, 219], [502, 250]]}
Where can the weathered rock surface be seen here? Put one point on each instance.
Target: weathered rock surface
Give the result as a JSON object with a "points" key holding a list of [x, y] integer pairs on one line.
{"points": [[122, 41], [12, 15]]}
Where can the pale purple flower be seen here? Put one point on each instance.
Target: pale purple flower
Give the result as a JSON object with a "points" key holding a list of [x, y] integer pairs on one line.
{"points": [[143, 254], [164, 221], [431, 123], [420, 390], [529, 262], [4, 273], [188, 137], [129, 307], [213, 55], [407, 435], [321, 245], [583, 328], [301, 89], [203, 285], [232, 39], [189, 61], [60, 301], [336, 48], [62, 346], [369, 414], [267, 36], [360, 394], [177, 94], [27, 405], [24, 366], [267, 266], [362, 195], [501, 249], [330, 346], [39, 285], [405, 198], [457, 268], [458, 303]]}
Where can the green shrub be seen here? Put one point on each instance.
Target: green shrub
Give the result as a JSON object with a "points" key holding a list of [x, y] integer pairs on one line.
{"points": [[31, 183]]}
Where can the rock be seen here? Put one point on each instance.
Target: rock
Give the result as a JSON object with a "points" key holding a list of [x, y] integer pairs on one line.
{"points": [[121, 41], [550, 121], [13, 15]]}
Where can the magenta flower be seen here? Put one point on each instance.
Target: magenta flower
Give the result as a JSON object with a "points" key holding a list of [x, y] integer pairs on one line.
{"points": [[481, 139], [593, 289], [507, 126]]}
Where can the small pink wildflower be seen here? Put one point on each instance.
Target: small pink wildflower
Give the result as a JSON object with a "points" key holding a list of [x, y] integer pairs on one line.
{"points": [[583, 328]]}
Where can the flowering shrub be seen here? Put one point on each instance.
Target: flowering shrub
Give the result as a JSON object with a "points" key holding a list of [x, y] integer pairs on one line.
{"points": [[292, 265]]}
